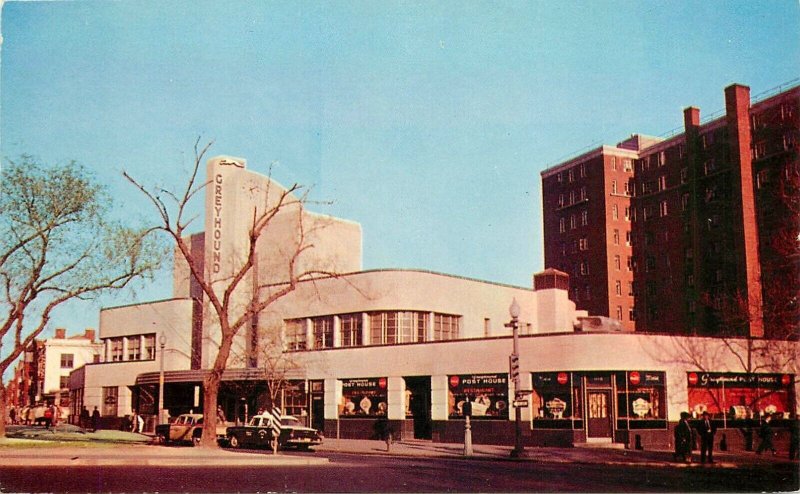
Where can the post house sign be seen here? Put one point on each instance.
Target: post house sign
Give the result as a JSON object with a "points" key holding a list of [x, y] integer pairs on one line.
{"points": [[738, 380]]}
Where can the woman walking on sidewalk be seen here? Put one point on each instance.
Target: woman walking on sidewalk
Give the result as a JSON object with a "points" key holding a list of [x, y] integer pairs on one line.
{"points": [[765, 433]]}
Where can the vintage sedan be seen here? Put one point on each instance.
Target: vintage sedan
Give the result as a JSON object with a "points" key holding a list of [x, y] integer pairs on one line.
{"points": [[187, 427], [259, 432]]}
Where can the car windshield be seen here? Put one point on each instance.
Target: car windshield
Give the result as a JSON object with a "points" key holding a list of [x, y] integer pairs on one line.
{"points": [[291, 421]]}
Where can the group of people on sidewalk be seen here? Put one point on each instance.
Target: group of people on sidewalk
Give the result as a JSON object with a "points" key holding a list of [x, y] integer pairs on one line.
{"points": [[706, 429]]}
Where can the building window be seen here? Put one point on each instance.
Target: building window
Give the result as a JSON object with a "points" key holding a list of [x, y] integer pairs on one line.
{"points": [[649, 264], [572, 197], [573, 223], [759, 150], [662, 209], [570, 175], [627, 213], [584, 243], [789, 141], [614, 212], [662, 158], [684, 202], [762, 178], [322, 328], [560, 177], [707, 140], [630, 263], [561, 200], [631, 314], [709, 166], [627, 188], [613, 186], [619, 312], [583, 170], [150, 346], [787, 111], [584, 267], [388, 328], [617, 262], [63, 382], [445, 327], [627, 165], [351, 331], [614, 163], [618, 291], [630, 288], [110, 396], [583, 193], [134, 347], [584, 218], [628, 239], [116, 349], [296, 335], [684, 175], [561, 227], [67, 360], [616, 237], [662, 182]]}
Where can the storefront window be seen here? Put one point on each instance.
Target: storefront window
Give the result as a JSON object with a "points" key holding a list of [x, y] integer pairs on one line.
{"points": [[110, 395], [363, 397], [641, 400], [556, 400], [487, 394], [294, 399], [740, 395]]}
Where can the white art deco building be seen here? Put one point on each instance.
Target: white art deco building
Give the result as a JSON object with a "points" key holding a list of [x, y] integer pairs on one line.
{"points": [[411, 346]]}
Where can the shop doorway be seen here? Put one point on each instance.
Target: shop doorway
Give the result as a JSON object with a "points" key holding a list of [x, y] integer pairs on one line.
{"points": [[418, 405], [598, 414], [317, 397]]}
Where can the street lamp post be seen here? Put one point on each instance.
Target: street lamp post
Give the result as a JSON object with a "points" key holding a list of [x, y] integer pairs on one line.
{"points": [[514, 312], [162, 342]]}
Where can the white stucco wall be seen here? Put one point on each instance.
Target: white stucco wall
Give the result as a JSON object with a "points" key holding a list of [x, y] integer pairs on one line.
{"points": [[82, 350]]}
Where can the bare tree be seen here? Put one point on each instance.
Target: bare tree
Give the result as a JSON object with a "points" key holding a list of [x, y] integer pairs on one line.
{"points": [[224, 296], [57, 244]]}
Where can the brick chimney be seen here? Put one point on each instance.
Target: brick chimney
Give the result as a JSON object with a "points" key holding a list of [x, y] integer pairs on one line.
{"points": [[88, 334], [61, 333]]}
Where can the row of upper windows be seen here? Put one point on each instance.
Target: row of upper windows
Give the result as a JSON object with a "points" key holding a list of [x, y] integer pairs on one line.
{"points": [[580, 170], [131, 347], [383, 328]]}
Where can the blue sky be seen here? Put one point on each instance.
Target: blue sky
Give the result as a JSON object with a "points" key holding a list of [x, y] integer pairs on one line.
{"points": [[426, 122]]}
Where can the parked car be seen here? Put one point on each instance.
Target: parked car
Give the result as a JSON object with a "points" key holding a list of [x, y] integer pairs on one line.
{"points": [[187, 427], [259, 433]]}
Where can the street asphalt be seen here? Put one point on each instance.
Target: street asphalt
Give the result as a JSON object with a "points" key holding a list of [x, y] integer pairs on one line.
{"points": [[40, 452]]}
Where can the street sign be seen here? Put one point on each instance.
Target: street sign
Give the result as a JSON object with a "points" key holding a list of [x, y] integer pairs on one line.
{"points": [[521, 403], [513, 364]]}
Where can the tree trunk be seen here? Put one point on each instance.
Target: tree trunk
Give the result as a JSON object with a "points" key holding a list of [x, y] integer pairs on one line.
{"points": [[210, 394], [3, 407]]}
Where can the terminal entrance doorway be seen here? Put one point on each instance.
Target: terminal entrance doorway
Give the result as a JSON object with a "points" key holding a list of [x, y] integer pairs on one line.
{"points": [[599, 414], [418, 405]]}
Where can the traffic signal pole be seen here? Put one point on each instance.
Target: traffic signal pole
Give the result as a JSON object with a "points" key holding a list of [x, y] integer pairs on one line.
{"points": [[519, 449]]}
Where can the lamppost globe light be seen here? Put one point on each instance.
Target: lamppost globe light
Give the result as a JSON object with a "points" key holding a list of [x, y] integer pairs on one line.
{"points": [[162, 340], [514, 310]]}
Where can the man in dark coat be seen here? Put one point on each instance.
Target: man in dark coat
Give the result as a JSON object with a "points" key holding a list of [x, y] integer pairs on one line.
{"points": [[706, 429], [683, 439]]}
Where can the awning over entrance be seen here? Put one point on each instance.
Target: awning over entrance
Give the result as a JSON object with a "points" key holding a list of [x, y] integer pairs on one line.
{"points": [[198, 375]]}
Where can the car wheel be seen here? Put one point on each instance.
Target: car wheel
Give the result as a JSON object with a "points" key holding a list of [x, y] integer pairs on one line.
{"points": [[196, 440], [303, 447], [233, 441]]}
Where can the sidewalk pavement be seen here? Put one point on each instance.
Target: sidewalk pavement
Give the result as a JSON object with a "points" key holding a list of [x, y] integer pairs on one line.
{"points": [[577, 455], [65, 454]]}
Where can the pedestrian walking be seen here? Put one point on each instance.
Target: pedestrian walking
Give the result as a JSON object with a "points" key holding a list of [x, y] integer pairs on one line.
{"points": [[765, 434], [12, 414], [794, 438], [84, 418], [95, 418], [139, 424], [706, 430], [683, 439]]}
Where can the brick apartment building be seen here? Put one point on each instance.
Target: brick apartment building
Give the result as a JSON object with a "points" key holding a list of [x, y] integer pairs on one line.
{"points": [[676, 235]]}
